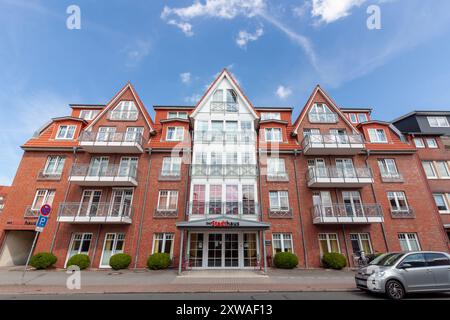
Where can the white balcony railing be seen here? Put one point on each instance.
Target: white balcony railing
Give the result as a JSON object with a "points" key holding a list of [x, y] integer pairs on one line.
{"points": [[220, 106], [347, 213], [316, 144], [111, 175], [229, 208], [222, 137], [402, 213], [119, 115], [328, 117], [94, 213], [224, 170], [338, 177], [111, 142]]}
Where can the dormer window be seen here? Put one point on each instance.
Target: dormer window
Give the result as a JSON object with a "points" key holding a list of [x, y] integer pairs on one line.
{"points": [[177, 115], [362, 117], [320, 113], [377, 136], [270, 116], [273, 135], [224, 102], [88, 114], [66, 132], [175, 134], [438, 122], [125, 110]]}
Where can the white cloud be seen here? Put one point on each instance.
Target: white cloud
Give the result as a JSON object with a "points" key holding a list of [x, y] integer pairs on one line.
{"points": [[332, 10], [244, 37], [185, 77], [224, 9], [136, 52], [193, 99], [185, 27], [283, 92]]}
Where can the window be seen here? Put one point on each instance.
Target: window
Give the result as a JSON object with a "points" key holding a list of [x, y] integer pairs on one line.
{"points": [[437, 259], [134, 134], [416, 260], [279, 200], [328, 243], [106, 134], [171, 166], [66, 132], [270, 116], [431, 142], [275, 167], [177, 115], [248, 199], [114, 243], [232, 199], [163, 243], [42, 197], [282, 242], [438, 122], [362, 117], [198, 199], [175, 134], [377, 136], [79, 244], [398, 201], [54, 165], [361, 242], [125, 110], [353, 118], [246, 125], [409, 241], [441, 202], [88, 114], [273, 134], [442, 169], [128, 167], [168, 200], [321, 113], [388, 168], [429, 169], [215, 199], [419, 143]]}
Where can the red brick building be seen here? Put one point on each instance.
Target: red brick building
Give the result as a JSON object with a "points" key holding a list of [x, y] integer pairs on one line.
{"points": [[222, 184]]}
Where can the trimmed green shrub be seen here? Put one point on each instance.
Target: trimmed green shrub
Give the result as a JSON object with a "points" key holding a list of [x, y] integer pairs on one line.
{"points": [[334, 260], [120, 261], [285, 260], [80, 260], [42, 260], [159, 261]]}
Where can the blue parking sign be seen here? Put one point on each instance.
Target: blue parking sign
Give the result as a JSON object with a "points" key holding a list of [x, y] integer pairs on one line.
{"points": [[42, 221]]}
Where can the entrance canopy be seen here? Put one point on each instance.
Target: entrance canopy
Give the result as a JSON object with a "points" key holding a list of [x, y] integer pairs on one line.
{"points": [[223, 222]]}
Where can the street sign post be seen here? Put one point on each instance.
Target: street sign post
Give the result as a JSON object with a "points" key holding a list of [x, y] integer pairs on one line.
{"points": [[40, 225]]}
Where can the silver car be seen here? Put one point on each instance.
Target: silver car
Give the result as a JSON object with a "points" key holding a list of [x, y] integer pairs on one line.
{"points": [[398, 273]]}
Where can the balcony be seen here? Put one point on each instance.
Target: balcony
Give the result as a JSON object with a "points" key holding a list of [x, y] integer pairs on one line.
{"points": [[317, 144], [121, 115], [42, 175], [402, 213], [280, 213], [220, 106], [31, 213], [389, 178], [112, 142], [333, 177], [236, 209], [165, 213], [224, 170], [104, 213], [347, 214], [169, 175], [277, 177], [108, 176], [225, 137], [327, 117]]}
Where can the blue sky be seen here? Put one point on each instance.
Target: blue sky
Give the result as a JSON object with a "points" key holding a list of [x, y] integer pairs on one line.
{"points": [[171, 50]]}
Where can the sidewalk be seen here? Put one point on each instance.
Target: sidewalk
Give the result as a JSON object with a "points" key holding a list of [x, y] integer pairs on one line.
{"points": [[168, 281]]}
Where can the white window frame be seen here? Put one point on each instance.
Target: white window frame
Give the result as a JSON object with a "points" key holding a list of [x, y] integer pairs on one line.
{"points": [[419, 143], [438, 121], [270, 116], [384, 166], [170, 195], [433, 144], [126, 111], [177, 115], [445, 199], [118, 236], [446, 168], [172, 162], [327, 238], [433, 169], [374, 136], [88, 114], [165, 238], [56, 165], [396, 196], [280, 194], [359, 115], [276, 166], [353, 117], [68, 129], [281, 238], [270, 136], [359, 237], [46, 194], [84, 237], [409, 237], [176, 134]]}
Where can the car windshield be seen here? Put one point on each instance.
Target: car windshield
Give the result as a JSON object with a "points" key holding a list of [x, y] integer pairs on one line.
{"points": [[387, 259]]}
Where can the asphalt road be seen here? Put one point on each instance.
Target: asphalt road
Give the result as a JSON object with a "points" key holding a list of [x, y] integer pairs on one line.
{"points": [[223, 296]]}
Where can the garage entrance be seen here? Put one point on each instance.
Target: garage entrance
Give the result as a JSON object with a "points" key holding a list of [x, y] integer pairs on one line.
{"points": [[15, 248]]}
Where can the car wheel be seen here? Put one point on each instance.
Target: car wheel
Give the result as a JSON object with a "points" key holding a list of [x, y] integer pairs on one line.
{"points": [[395, 290]]}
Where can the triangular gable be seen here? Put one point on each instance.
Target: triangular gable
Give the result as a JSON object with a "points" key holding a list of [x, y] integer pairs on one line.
{"points": [[224, 74], [112, 103], [331, 104]]}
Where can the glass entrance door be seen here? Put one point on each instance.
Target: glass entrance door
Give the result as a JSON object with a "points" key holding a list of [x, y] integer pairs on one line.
{"points": [[231, 250], [215, 250], [223, 250]]}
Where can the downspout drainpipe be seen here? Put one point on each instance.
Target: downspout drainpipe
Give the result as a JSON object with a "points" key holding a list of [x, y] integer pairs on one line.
{"points": [[302, 230], [376, 201], [65, 199], [144, 204]]}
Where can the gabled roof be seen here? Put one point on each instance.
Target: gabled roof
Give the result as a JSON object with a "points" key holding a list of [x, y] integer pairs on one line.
{"points": [[423, 113], [331, 103], [225, 74], [112, 102]]}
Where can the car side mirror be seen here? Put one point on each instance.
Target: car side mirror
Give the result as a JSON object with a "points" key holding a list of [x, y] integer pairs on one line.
{"points": [[405, 266]]}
